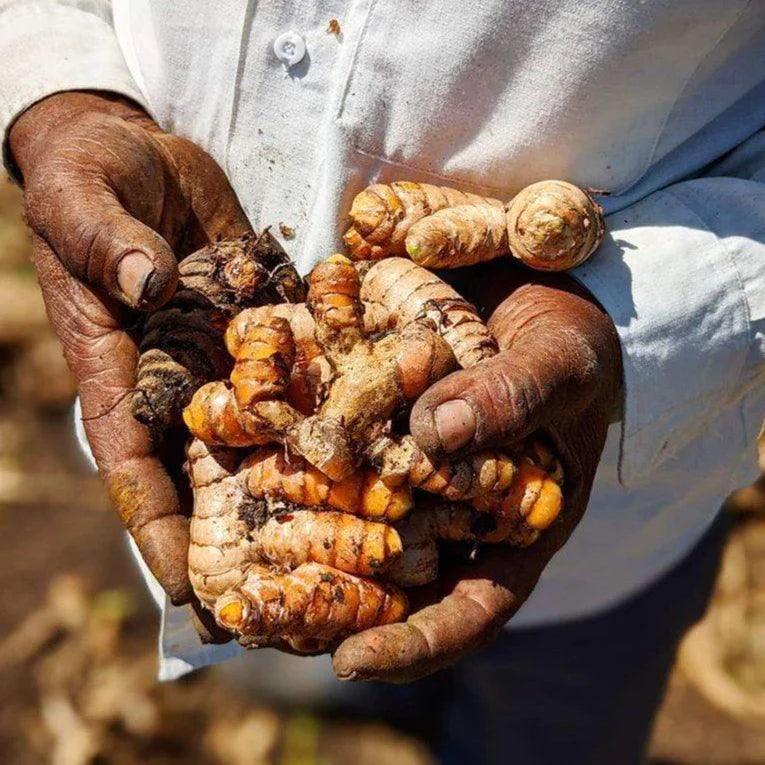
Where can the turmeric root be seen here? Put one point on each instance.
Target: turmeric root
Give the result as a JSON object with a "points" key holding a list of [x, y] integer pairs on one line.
{"points": [[371, 379], [397, 292], [235, 532], [215, 417], [402, 462], [181, 344], [533, 496], [515, 517], [263, 362], [294, 481], [549, 225], [334, 539], [309, 367], [313, 602], [459, 236], [382, 215], [554, 226]]}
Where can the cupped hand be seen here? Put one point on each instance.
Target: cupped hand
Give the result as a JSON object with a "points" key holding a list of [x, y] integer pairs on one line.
{"points": [[559, 372], [113, 203]]}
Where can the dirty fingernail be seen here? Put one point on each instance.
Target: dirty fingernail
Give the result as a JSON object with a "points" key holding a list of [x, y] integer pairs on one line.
{"points": [[455, 424], [134, 274]]}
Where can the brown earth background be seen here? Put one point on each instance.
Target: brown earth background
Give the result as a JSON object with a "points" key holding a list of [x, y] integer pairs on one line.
{"points": [[78, 632]]}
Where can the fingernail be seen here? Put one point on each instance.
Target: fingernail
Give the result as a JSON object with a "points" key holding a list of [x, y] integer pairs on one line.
{"points": [[134, 274], [455, 424]]}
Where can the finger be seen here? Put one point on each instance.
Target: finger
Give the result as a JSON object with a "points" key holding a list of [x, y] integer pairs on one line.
{"points": [[558, 350], [215, 209], [103, 359], [207, 628], [430, 639], [98, 206]]}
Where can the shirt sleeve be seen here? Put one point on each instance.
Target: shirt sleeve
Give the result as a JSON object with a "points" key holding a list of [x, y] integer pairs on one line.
{"points": [[682, 274], [49, 46]]}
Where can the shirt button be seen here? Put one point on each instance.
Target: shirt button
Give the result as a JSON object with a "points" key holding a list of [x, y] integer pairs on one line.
{"points": [[289, 48]]}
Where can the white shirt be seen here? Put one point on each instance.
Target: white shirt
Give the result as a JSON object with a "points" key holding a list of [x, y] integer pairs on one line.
{"points": [[636, 98]]}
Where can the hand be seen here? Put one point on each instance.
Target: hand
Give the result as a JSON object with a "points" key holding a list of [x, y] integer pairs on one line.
{"points": [[559, 371], [113, 202]]}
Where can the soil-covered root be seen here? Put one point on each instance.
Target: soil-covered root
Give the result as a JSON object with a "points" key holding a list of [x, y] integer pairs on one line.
{"points": [[372, 377], [181, 343], [402, 462], [215, 417]]}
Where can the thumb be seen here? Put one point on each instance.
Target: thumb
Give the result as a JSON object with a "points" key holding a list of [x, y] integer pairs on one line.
{"points": [[99, 242], [555, 362], [501, 401]]}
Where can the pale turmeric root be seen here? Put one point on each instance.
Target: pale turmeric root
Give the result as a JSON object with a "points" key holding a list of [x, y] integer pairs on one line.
{"points": [[382, 215], [181, 345], [554, 226], [236, 535], [549, 225], [397, 293]]}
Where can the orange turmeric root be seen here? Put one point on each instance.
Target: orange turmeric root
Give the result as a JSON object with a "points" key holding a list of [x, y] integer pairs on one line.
{"points": [[309, 367], [549, 225], [313, 604], [236, 534], [516, 517], [295, 482], [215, 417]]}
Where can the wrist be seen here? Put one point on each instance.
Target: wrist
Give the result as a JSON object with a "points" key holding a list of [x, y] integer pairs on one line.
{"points": [[33, 129]]}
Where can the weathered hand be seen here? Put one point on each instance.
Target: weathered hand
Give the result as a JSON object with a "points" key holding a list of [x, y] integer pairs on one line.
{"points": [[559, 371], [113, 201]]}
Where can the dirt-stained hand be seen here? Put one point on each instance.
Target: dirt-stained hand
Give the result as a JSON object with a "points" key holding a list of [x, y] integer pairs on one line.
{"points": [[559, 371], [114, 202]]}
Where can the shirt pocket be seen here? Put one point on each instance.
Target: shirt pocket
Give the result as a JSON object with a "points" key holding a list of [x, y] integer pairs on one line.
{"points": [[498, 93]]}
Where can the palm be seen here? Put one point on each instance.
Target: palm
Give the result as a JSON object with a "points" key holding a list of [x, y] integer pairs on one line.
{"points": [[104, 188]]}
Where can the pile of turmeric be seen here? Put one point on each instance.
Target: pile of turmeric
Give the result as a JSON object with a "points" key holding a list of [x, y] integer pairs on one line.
{"points": [[303, 477], [314, 509]]}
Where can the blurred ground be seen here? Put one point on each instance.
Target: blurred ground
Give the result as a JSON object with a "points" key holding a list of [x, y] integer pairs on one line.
{"points": [[78, 634]]}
